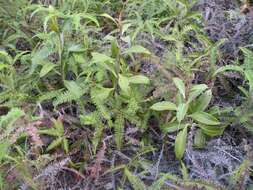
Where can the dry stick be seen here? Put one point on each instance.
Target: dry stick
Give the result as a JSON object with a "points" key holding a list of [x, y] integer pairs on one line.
{"points": [[75, 171], [175, 186], [50, 170], [192, 157], [158, 162]]}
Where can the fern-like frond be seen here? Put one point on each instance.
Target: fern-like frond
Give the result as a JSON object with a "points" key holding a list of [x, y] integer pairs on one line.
{"points": [[118, 126]]}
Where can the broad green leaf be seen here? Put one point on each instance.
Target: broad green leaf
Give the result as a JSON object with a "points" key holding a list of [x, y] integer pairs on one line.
{"points": [[181, 111], [164, 105], [196, 90], [46, 68], [101, 93], [205, 118], [139, 79], [179, 98], [124, 84], [203, 101], [76, 48], [249, 77], [212, 131], [172, 127], [180, 143], [104, 61], [135, 181], [180, 86], [100, 58], [199, 139], [115, 51], [137, 49]]}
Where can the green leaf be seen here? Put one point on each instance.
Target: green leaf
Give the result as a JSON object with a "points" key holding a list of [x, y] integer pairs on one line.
{"points": [[4, 146], [3, 66], [249, 77], [164, 105], [139, 79], [199, 139], [89, 119], [181, 111], [54, 144], [65, 145], [158, 184], [74, 88], [12, 116], [119, 125], [59, 126], [124, 84], [212, 131], [135, 181], [90, 17], [104, 61], [203, 101], [180, 86], [101, 93], [76, 48], [228, 68], [184, 171], [172, 127], [109, 17], [51, 132], [115, 48], [240, 171], [100, 58], [137, 49], [205, 118], [99, 129], [196, 90], [125, 28], [46, 68], [180, 143]]}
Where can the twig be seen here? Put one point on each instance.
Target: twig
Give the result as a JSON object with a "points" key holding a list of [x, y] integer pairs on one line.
{"points": [[75, 171]]}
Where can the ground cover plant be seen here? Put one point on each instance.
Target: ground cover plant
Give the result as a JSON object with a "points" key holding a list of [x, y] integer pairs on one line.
{"points": [[126, 94]]}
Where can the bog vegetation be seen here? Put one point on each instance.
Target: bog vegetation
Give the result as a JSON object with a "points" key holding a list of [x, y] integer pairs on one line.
{"points": [[111, 94]]}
